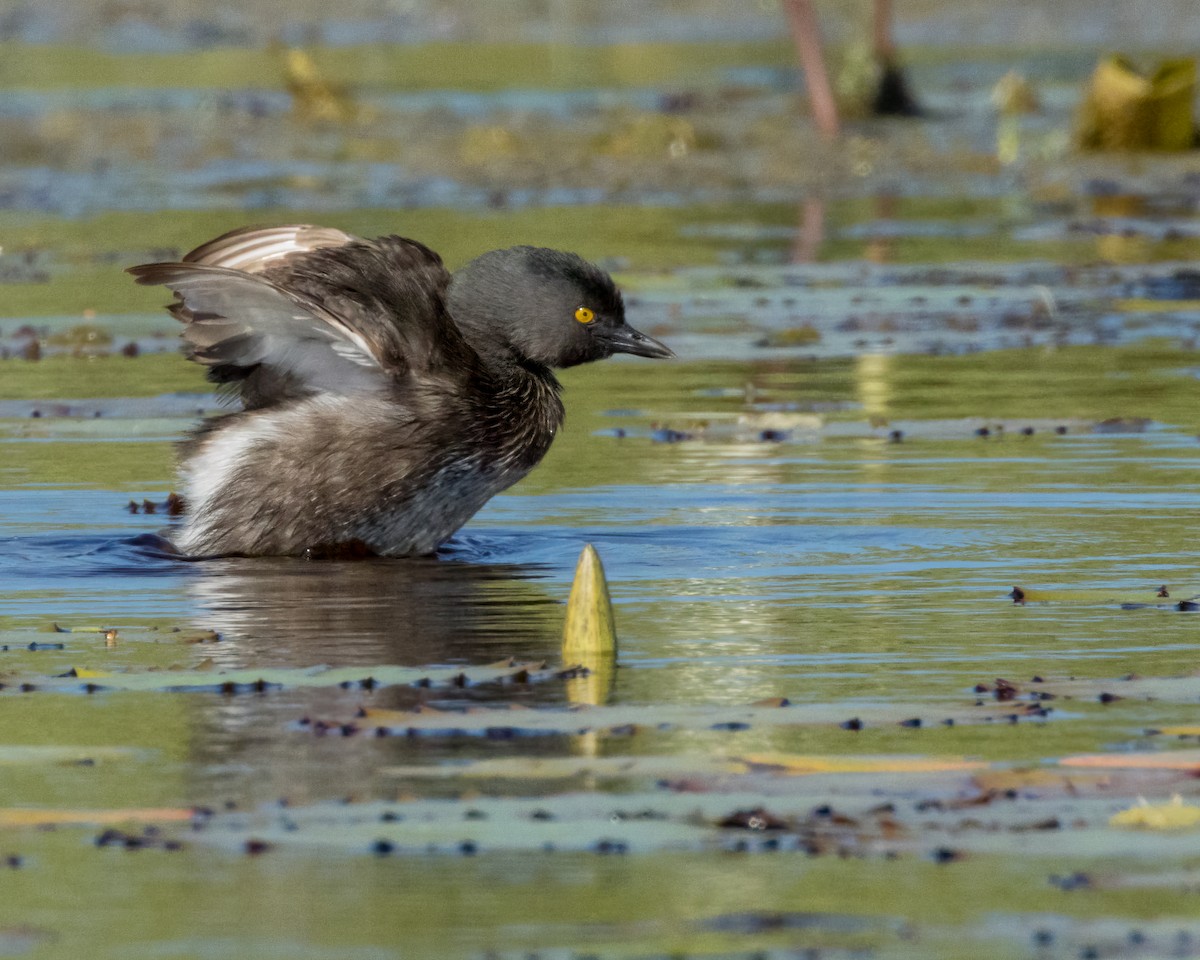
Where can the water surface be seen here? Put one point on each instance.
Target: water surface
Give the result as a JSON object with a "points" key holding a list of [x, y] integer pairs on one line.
{"points": [[904, 388]]}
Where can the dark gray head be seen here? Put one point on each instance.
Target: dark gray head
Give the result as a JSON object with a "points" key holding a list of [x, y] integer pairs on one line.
{"points": [[554, 308]]}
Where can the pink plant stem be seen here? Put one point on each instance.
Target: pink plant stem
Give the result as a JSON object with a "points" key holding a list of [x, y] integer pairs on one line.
{"points": [[806, 34]]}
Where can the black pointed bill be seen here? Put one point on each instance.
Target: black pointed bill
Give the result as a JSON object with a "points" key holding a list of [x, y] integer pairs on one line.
{"points": [[624, 339]]}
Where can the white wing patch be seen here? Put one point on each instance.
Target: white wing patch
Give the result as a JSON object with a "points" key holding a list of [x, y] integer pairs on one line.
{"points": [[253, 249], [355, 352]]}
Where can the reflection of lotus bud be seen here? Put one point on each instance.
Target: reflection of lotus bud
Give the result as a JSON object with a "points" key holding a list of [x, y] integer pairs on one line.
{"points": [[1008, 140]]}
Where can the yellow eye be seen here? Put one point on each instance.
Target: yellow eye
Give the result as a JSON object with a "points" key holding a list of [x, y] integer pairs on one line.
{"points": [[585, 315]]}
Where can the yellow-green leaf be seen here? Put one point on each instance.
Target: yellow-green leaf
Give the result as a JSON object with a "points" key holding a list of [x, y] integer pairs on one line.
{"points": [[1172, 815]]}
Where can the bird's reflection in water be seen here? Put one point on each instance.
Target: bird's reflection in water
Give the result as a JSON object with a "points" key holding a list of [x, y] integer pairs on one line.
{"points": [[252, 748], [286, 612]]}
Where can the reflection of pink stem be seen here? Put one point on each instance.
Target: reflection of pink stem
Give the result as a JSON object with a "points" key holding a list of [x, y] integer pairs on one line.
{"points": [[811, 232], [806, 34]]}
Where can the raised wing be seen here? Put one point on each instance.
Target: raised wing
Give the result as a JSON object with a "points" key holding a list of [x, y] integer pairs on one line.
{"points": [[393, 292], [286, 312], [245, 328]]}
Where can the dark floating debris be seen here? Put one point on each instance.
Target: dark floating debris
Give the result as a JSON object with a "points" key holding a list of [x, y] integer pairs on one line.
{"points": [[759, 818], [231, 688], [150, 837], [1074, 881], [757, 922], [647, 814], [1005, 690], [668, 435], [173, 506]]}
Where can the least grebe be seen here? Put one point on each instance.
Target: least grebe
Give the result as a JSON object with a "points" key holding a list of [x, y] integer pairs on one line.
{"points": [[383, 401]]}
